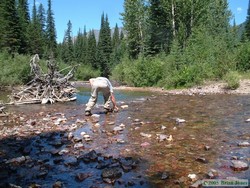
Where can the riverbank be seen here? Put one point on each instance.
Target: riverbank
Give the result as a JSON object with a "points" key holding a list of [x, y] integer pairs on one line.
{"points": [[211, 87]]}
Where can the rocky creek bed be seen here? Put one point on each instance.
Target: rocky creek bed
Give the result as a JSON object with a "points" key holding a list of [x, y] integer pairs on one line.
{"points": [[163, 139]]}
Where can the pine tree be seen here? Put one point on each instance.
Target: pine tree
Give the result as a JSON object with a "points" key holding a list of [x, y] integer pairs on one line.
{"points": [[50, 32], [159, 31], [247, 26], [91, 50], [115, 37], [36, 32], [134, 18], [41, 18], [68, 55], [24, 20], [78, 46], [104, 47], [10, 27]]}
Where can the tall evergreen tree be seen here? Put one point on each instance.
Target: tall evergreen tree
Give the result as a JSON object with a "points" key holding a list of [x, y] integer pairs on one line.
{"points": [[78, 46], [24, 20], [68, 55], [116, 37], [159, 31], [118, 50], [41, 18], [50, 31], [36, 33], [247, 26], [91, 50], [10, 27], [104, 47], [134, 18]]}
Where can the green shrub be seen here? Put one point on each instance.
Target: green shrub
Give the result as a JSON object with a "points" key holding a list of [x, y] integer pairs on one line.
{"points": [[85, 72], [232, 80], [243, 57], [15, 70], [139, 73]]}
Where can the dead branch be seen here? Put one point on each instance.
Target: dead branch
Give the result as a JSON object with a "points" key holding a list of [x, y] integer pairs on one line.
{"points": [[48, 87]]}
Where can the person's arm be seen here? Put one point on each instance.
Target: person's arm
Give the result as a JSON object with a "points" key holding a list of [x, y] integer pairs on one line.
{"points": [[114, 102]]}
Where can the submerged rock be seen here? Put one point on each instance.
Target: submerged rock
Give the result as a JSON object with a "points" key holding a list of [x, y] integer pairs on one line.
{"points": [[244, 144], [111, 173], [82, 176], [239, 165]]}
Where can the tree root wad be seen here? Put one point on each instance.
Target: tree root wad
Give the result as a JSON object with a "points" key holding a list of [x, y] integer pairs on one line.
{"points": [[44, 88]]}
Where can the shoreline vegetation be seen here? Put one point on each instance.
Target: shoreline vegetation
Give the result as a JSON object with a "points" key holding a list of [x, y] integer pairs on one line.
{"points": [[210, 87]]}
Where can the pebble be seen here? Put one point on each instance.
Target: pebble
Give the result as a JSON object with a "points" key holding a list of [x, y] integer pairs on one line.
{"points": [[244, 144], [179, 120], [193, 177], [146, 135], [239, 165]]}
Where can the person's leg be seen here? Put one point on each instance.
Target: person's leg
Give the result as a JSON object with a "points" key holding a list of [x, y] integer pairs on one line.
{"points": [[107, 101], [92, 101]]}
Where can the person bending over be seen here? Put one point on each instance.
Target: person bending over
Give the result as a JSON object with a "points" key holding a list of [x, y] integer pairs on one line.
{"points": [[101, 84]]}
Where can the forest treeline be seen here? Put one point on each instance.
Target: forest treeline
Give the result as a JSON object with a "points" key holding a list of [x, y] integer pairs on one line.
{"points": [[165, 43]]}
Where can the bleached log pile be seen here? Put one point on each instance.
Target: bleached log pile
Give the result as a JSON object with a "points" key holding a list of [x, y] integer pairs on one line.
{"points": [[44, 88]]}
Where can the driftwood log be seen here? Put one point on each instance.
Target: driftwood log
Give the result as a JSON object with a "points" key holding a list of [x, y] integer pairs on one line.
{"points": [[44, 88]]}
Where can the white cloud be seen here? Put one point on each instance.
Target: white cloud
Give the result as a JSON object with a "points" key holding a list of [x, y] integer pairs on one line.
{"points": [[239, 9]]}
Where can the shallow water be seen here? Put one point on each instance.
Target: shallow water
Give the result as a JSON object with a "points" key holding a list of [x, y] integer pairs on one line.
{"points": [[215, 121]]}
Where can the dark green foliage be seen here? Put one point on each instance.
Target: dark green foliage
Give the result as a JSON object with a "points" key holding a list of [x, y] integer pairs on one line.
{"points": [[85, 72], [159, 28], [14, 70], [134, 18], [116, 37], [247, 26], [36, 32], [141, 72], [24, 19], [232, 79], [10, 39], [51, 43], [243, 57], [68, 53], [91, 50], [104, 47], [80, 47]]}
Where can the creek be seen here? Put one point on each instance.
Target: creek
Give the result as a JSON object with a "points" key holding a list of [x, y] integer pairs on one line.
{"points": [[164, 138]]}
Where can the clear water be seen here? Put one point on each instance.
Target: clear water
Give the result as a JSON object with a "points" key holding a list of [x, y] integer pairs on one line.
{"points": [[217, 121]]}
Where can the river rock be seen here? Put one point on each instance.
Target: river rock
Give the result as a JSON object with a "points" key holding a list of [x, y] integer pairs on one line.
{"points": [[70, 161], [197, 184], [82, 176], [111, 173], [63, 151], [179, 120], [207, 148], [78, 146], [212, 174], [124, 106], [89, 157], [239, 165], [146, 135], [193, 177], [17, 160], [244, 144], [117, 129], [57, 184], [202, 160], [165, 175]]}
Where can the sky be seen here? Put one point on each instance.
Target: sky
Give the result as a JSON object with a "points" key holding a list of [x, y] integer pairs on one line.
{"points": [[87, 13]]}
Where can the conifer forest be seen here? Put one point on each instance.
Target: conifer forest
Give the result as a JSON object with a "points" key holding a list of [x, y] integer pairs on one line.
{"points": [[165, 43]]}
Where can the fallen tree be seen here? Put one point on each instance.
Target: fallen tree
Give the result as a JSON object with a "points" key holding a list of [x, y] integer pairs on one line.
{"points": [[44, 88]]}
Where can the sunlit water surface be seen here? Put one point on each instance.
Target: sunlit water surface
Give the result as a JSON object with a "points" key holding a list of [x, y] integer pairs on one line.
{"points": [[217, 122]]}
